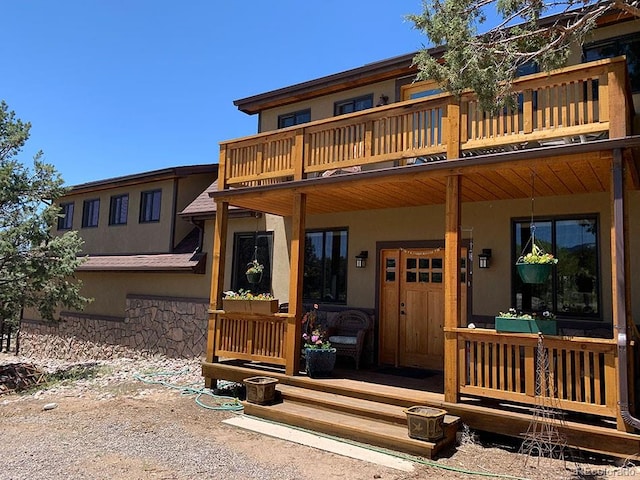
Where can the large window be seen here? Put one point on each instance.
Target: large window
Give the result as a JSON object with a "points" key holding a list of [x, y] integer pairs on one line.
{"points": [[353, 105], [246, 248], [150, 206], [295, 118], [118, 209], [628, 45], [325, 266], [90, 213], [573, 290], [65, 218]]}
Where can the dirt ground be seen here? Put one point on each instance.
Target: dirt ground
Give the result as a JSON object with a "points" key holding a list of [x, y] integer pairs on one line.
{"points": [[124, 428]]}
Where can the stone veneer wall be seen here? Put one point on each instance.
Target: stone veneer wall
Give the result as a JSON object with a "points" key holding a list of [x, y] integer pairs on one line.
{"points": [[175, 327]]}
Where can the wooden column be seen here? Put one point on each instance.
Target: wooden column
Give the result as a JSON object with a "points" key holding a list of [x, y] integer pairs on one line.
{"points": [[618, 275], [619, 124], [453, 131], [451, 288], [217, 281], [296, 265]]}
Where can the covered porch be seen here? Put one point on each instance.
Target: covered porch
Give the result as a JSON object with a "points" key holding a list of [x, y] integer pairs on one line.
{"points": [[445, 157]]}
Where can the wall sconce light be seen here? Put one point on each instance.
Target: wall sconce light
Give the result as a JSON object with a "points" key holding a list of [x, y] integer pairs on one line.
{"points": [[384, 99], [361, 259], [483, 258]]}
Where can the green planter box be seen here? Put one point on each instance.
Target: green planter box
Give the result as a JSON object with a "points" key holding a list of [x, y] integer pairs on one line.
{"points": [[534, 272], [265, 307], [524, 325]]}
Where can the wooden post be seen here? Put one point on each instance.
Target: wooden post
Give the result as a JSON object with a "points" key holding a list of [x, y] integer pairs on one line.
{"points": [[217, 281], [296, 265], [298, 154], [453, 131], [619, 125], [618, 275], [452, 288]]}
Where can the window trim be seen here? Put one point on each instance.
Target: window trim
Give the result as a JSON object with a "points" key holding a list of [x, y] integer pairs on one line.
{"points": [[65, 218], [294, 115], [143, 206], [115, 215], [339, 103], [346, 271], [85, 213], [237, 267], [616, 40]]}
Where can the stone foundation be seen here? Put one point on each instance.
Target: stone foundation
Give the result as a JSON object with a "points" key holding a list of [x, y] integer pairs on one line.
{"points": [[175, 327]]}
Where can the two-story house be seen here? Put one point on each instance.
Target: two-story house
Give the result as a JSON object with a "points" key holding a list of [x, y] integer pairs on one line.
{"points": [[392, 196]]}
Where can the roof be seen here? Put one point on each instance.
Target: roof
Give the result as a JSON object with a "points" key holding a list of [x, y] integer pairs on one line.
{"points": [[145, 177], [203, 204], [163, 262]]}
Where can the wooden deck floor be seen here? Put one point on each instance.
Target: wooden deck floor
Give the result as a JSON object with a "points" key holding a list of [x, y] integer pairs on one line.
{"points": [[582, 432]]}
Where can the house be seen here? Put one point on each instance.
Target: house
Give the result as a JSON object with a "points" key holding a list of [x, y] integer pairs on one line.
{"points": [[368, 164], [146, 243]]}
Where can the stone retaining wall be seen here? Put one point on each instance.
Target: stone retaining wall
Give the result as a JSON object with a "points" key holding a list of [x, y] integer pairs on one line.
{"points": [[175, 327]]}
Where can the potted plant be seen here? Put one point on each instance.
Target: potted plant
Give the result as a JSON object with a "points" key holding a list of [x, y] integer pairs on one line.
{"points": [[320, 356], [535, 266], [254, 271], [261, 390], [247, 302], [518, 322], [425, 423]]}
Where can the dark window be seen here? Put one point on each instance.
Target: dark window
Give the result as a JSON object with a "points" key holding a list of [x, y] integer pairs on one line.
{"points": [[244, 252], [628, 45], [150, 206], [573, 290], [353, 105], [295, 118], [65, 217], [118, 210], [90, 212], [325, 266]]}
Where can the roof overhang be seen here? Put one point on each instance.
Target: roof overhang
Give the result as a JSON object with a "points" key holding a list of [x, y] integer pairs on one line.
{"points": [[167, 262], [559, 170]]}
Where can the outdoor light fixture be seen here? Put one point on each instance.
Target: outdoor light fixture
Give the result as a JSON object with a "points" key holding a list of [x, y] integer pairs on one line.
{"points": [[483, 258], [383, 101], [361, 259]]}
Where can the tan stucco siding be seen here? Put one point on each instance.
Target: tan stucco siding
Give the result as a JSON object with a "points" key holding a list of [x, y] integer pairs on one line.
{"points": [[188, 189]]}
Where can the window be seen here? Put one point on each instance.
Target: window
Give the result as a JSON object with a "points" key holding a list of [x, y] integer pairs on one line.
{"points": [[65, 217], [573, 290], [150, 206], [244, 251], [325, 266], [118, 210], [628, 45], [295, 118], [90, 212], [353, 105]]}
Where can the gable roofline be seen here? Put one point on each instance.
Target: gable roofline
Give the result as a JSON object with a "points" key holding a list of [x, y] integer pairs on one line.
{"points": [[143, 177]]}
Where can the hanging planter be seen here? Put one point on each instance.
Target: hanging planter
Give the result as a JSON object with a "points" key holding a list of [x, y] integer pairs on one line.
{"points": [[254, 272], [535, 267]]}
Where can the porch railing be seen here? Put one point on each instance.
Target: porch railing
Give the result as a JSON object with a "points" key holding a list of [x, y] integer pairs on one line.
{"points": [[581, 376], [251, 337], [563, 104]]}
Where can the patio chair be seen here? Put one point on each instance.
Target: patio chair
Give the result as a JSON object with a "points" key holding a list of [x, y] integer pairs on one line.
{"points": [[347, 333]]}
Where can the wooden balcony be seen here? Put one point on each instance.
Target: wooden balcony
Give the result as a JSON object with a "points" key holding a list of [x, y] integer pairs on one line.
{"points": [[577, 103]]}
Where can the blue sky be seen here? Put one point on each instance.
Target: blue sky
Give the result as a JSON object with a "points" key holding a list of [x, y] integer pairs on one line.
{"points": [[115, 87]]}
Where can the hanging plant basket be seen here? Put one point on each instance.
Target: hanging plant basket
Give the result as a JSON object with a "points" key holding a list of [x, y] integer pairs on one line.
{"points": [[534, 272], [254, 277]]}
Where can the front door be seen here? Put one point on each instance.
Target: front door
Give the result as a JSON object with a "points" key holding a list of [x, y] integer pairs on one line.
{"points": [[412, 307]]}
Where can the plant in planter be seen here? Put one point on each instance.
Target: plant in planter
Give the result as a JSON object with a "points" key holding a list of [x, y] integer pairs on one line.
{"points": [[254, 271], [320, 356], [535, 266], [245, 301], [518, 322]]}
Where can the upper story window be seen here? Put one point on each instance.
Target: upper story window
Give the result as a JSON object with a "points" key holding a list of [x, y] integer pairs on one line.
{"points": [[118, 209], [246, 247], [150, 206], [90, 212], [65, 217], [295, 118], [628, 45], [573, 290], [325, 266], [353, 105]]}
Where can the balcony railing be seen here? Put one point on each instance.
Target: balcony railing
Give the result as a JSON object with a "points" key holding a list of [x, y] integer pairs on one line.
{"points": [[581, 101]]}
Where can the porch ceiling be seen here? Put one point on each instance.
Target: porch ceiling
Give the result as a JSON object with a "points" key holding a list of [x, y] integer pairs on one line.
{"points": [[564, 170]]}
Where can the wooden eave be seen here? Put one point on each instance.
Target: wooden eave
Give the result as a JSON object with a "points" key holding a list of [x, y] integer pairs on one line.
{"points": [[560, 170]]}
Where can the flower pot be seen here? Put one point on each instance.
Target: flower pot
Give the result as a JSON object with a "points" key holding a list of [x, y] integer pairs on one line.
{"points": [[265, 307], [534, 272], [425, 423], [319, 361], [261, 390], [254, 277], [526, 325]]}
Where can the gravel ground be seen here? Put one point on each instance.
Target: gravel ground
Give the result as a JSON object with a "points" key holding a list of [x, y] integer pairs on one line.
{"points": [[111, 425]]}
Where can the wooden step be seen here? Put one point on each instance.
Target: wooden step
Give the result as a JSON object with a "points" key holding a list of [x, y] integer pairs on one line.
{"points": [[363, 421]]}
